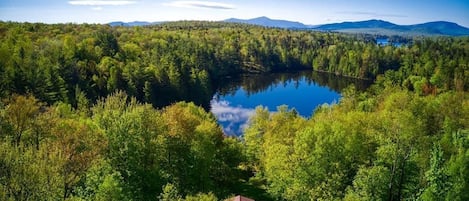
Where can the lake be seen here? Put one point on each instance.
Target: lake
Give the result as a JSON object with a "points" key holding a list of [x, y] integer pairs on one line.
{"points": [[385, 42], [236, 99]]}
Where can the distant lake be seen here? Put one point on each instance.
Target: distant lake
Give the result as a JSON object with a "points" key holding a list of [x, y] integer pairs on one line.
{"points": [[385, 42], [236, 99]]}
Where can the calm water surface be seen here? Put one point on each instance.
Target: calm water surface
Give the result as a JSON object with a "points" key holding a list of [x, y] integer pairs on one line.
{"points": [[237, 99]]}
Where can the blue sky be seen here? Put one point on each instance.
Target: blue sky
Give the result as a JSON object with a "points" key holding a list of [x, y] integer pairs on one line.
{"points": [[306, 11]]}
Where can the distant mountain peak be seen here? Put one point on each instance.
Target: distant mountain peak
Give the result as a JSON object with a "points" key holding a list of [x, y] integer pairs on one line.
{"points": [[441, 28], [268, 22], [131, 24], [262, 18], [358, 25], [441, 22], [377, 20]]}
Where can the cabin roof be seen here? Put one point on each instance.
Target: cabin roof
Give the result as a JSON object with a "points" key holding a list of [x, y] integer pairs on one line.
{"points": [[240, 198]]}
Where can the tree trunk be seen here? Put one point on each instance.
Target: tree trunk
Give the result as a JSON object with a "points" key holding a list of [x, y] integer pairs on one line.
{"points": [[18, 138], [402, 176], [390, 186]]}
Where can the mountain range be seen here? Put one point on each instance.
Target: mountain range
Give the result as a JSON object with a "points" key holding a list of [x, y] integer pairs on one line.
{"points": [[132, 24], [267, 22], [369, 26], [388, 28]]}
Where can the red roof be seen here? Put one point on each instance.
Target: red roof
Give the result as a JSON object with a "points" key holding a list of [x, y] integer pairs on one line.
{"points": [[241, 198]]}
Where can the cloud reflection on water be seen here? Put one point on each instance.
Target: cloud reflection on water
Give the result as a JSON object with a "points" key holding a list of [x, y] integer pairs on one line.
{"points": [[233, 118]]}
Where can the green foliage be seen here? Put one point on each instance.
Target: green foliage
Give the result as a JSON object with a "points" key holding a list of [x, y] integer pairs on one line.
{"points": [[19, 116], [170, 193], [343, 152], [185, 61], [438, 184], [30, 174], [101, 182], [202, 197], [78, 129], [458, 167], [370, 184], [123, 151]]}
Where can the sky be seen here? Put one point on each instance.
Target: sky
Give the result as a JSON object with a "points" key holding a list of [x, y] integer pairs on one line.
{"points": [[311, 12]]}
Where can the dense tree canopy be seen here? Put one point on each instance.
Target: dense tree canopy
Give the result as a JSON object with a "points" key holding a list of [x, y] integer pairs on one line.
{"points": [[92, 112], [399, 147], [124, 150], [185, 60]]}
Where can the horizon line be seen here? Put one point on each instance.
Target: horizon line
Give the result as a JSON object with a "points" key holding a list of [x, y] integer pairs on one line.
{"points": [[224, 20]]}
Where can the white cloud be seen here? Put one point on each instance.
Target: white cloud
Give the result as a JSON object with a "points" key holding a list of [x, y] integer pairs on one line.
{"points": [[200, 4], [97, 8], [101, 2]]}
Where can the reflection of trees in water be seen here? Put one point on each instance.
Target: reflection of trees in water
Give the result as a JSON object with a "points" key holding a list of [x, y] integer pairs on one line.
{"points": [[338, 83], [252, 84], [261, 82]]}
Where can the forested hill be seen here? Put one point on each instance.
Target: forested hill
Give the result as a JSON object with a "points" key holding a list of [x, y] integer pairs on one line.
{"points": [[441, 28], [267, 22], [91, 112], [373, 26]]}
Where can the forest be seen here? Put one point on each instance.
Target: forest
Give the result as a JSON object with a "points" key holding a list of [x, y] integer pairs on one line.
{"points": [[94, 112]]}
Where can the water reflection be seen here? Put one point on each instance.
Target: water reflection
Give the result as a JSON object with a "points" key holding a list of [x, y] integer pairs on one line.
{"points": [[253, 84], [236, 98], [233, 118]]}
